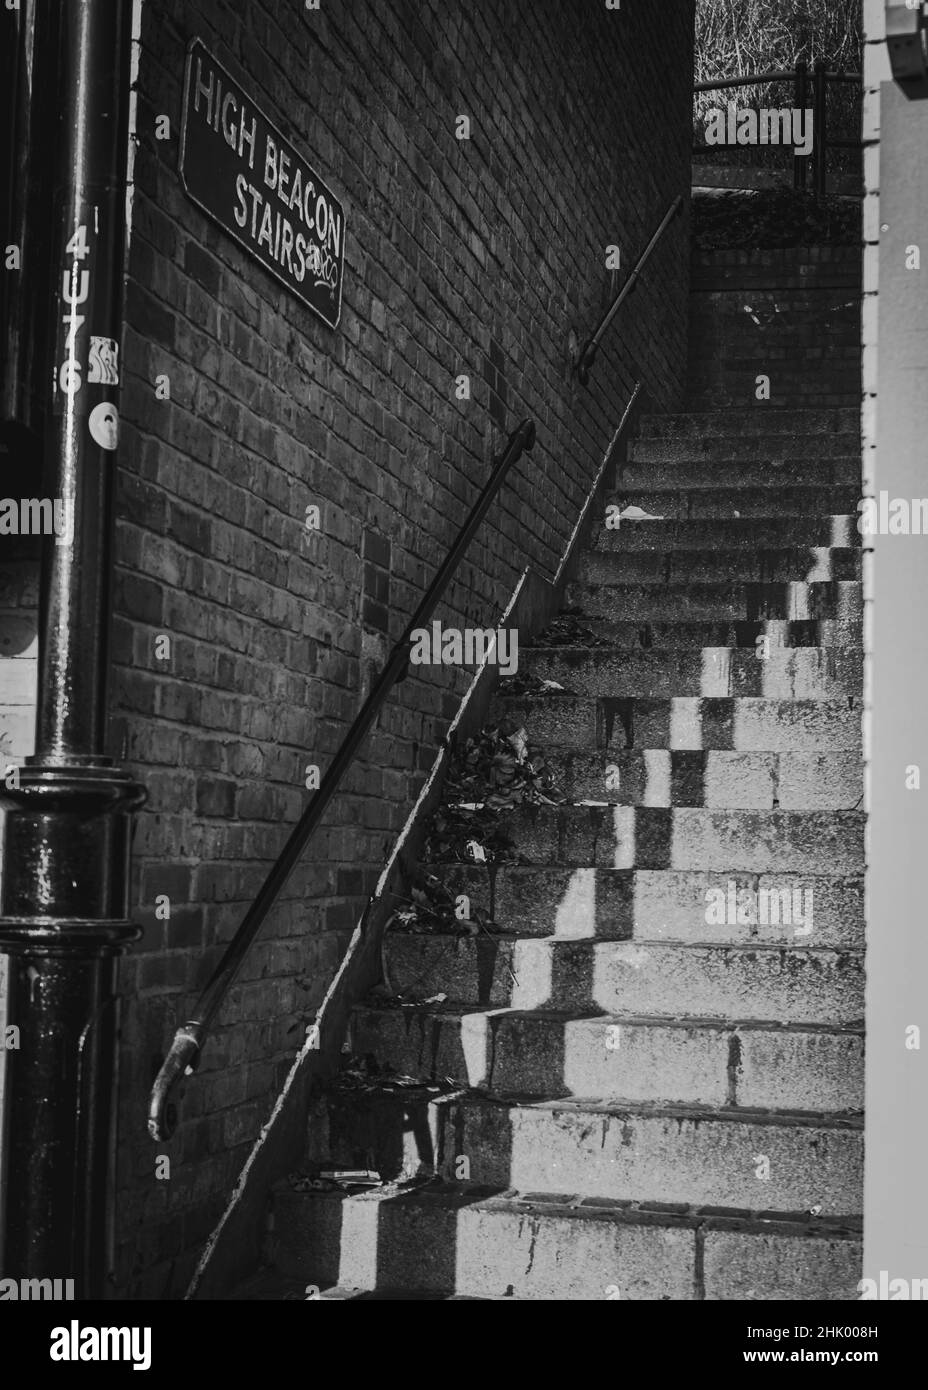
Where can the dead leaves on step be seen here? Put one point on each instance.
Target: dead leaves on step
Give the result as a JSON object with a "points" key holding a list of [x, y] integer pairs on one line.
{"points": [[492, 774], [364, 1073], [468, 835], [333, 1179], [496, 771], [526, 685], [431, 907], [568, 629]]}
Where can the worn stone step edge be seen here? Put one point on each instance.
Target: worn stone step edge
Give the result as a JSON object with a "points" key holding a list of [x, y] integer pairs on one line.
{"points": [[679, 1214], [654, 837], [683, 723], [809, 565], [784, 634], [797, 420], [613, 1108], [764, 982], [738, 503], [726, 535], [634, 1150], [628, 904], [597, 1249], [712, 779], [490, 1050]]}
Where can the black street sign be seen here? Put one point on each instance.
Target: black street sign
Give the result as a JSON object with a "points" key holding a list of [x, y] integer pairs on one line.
{"points": [[236, 166]]}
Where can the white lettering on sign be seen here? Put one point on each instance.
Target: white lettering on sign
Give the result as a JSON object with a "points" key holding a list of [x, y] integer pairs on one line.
{"points": [[240, 169]]}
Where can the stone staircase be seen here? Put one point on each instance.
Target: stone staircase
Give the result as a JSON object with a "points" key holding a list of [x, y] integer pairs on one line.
{"points": [[648, 1099], [646, 1081]]}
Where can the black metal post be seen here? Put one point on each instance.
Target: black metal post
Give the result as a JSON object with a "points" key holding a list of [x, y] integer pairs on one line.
{"points": [[820, 138], [800, 100], [68, 810]]}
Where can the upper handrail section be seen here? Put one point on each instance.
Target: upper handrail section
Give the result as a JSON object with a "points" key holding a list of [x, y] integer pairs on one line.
{"points": [[591, 347]]}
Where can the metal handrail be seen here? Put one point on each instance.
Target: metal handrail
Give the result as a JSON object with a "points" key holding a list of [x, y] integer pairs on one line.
{"points": [[188, 1041], [591, 347], [799, 76], [760, 79], [187, 1044]]}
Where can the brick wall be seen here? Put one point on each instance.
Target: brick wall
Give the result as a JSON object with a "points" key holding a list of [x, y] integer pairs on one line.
{"points": [[790, 314], [470, 257]]}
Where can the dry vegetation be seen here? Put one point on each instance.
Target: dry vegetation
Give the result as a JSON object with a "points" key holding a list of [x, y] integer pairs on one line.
{"points": [[741, 36]]}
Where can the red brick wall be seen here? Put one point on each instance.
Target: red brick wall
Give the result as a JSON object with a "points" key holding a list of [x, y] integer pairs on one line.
{"points": [[474, 257]]}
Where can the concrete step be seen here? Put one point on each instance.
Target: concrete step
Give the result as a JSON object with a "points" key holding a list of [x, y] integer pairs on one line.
{"points": [[716, 780], [768, 449], [340, 1294], [708, 602], [707, 534], [610, 564], [743, 725], [270, 1286], [717, 501], [807, 673], [727, 389], [455, 1237], [664, 904], [654, 837], [758, 473], [645, 635], [764, 984], [754, 421], [692, 1155], [706, 1062]]}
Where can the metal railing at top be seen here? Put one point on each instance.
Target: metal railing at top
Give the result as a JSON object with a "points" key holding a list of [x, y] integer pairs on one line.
{"points": [[821, 76], [187, 1044]]}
